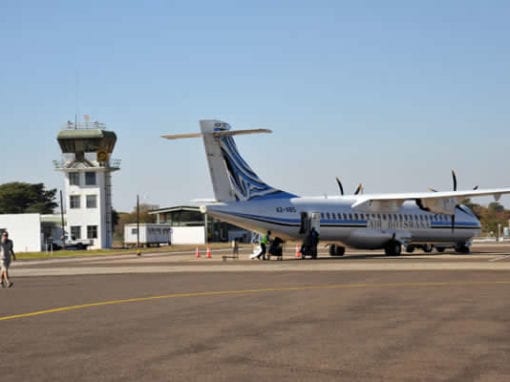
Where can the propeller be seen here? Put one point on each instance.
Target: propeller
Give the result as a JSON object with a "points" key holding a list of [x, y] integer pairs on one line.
{"points": [[357, 191], [459, 207], [340, 186]]}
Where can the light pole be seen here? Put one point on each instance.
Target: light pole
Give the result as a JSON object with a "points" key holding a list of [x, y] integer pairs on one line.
{"points": [[138, 253]]}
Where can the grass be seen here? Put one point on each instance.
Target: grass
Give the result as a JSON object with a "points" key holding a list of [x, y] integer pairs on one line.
{"points": [[120, 251]]}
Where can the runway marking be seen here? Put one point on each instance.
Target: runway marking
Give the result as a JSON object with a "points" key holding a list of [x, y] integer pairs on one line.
{"points": [[499, 258], [250, 291]]}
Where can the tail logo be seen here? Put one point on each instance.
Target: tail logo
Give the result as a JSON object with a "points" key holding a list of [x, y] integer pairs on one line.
{"points": [[244, 182]]}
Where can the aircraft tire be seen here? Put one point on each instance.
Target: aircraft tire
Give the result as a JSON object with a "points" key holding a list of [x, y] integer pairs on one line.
{"points": [[440, 249], [393, 248], [462, 248], [410, 248], [336, 250], [427, 248]]}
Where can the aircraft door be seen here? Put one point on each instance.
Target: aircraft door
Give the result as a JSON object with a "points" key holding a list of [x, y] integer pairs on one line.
{"points": [[309, 220], [315, 221], [310, 226], [305, 223]]}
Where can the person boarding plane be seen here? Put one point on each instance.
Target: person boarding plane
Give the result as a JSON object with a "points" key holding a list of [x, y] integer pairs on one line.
{"points": [[364, 221]]}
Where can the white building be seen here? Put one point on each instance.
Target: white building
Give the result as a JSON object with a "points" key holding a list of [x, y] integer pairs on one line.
{"points": [[87, 169], [147, 234], [24, 230]]}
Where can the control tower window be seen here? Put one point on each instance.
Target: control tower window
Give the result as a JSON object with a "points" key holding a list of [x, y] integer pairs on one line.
{"points": [[74, 178], [74, 201], [91, 201], [92, 232], [90, 178]]}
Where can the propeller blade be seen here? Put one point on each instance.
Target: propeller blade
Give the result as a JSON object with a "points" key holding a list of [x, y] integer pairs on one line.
{"points": [[358, 189], [475, 188], [453, 223], [340, 186], [454, 181]]}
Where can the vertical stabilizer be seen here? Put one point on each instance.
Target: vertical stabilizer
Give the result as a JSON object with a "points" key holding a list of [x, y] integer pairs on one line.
{"points": [[217, 167], [232, 178]]}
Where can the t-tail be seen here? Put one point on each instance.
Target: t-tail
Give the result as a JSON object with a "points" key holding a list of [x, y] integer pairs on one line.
{"points": [[232, 178]]}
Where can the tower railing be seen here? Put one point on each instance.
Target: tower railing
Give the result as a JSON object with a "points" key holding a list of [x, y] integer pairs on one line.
{"points": [[61, 164]]}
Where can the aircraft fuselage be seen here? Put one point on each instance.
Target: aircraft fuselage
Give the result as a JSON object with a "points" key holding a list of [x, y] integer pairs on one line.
{"points": [[341, 223]]}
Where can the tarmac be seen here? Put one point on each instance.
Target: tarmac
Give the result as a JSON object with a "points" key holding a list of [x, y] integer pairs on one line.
{"points": [[173, 317]]}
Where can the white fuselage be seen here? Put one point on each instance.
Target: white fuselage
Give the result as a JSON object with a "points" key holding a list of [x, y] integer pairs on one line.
{"points": [[341, 223]]}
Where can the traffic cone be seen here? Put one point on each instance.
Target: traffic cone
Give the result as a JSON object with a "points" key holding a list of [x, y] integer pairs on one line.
{"points": [[298, 252], [209, 254], [197, 253]]}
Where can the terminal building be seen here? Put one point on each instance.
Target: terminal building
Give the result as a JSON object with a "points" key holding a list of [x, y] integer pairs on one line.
{"points": [[189, 225]]}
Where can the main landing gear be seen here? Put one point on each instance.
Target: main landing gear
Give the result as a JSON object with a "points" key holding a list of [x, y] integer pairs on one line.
{"points": [[336, 250], [393, 248], [462, 248]]}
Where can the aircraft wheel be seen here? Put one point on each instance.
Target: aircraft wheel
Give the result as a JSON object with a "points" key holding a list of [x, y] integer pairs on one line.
{"points": [[340, 251], [410, 248], [427, 248], [332, 250], [462, 248], [440, 249], [393, 248]]}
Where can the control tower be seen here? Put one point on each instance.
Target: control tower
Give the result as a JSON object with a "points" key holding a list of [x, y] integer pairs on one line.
{"points": [[87, 167]]}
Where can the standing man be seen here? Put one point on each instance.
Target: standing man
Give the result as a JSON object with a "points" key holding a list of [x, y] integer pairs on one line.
{"points": [[6, 251], [235, 248], [264, 242]]}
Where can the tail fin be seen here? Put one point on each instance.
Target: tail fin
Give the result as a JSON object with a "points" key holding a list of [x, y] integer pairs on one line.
{"points": [[232, 177]]}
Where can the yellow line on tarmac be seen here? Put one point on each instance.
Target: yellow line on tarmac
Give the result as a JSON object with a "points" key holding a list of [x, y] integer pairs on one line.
{"points": [[253, 291]]}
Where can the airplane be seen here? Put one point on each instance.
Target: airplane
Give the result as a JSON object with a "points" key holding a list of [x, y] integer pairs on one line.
{"points": [[363, 221]]}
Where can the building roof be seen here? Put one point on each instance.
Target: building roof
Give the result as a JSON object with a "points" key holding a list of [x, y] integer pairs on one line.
{"points": [[87, 140], [174, 209]]}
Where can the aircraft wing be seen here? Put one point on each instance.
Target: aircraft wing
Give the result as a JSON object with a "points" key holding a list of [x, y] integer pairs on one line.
{"points": [[443, 202]]}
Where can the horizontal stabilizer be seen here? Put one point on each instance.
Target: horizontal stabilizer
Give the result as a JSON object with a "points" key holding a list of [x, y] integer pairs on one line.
{"points": [[181, 136], [223, 133]]}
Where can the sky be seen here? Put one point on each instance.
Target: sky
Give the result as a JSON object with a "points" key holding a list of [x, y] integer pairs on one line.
{"points": [[391, 94]]}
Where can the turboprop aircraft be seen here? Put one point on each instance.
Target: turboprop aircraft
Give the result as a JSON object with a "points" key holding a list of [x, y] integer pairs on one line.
{"points": [[365, 221]]}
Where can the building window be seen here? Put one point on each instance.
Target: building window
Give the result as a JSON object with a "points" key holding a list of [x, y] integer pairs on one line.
{"points": [[75, 232], [92, 232], [91, 201], [90, 178], [74, 178], [74, 201]]}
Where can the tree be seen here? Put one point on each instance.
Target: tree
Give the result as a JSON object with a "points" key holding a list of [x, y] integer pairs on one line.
{"points": [[130, 217], [19, 197]]}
